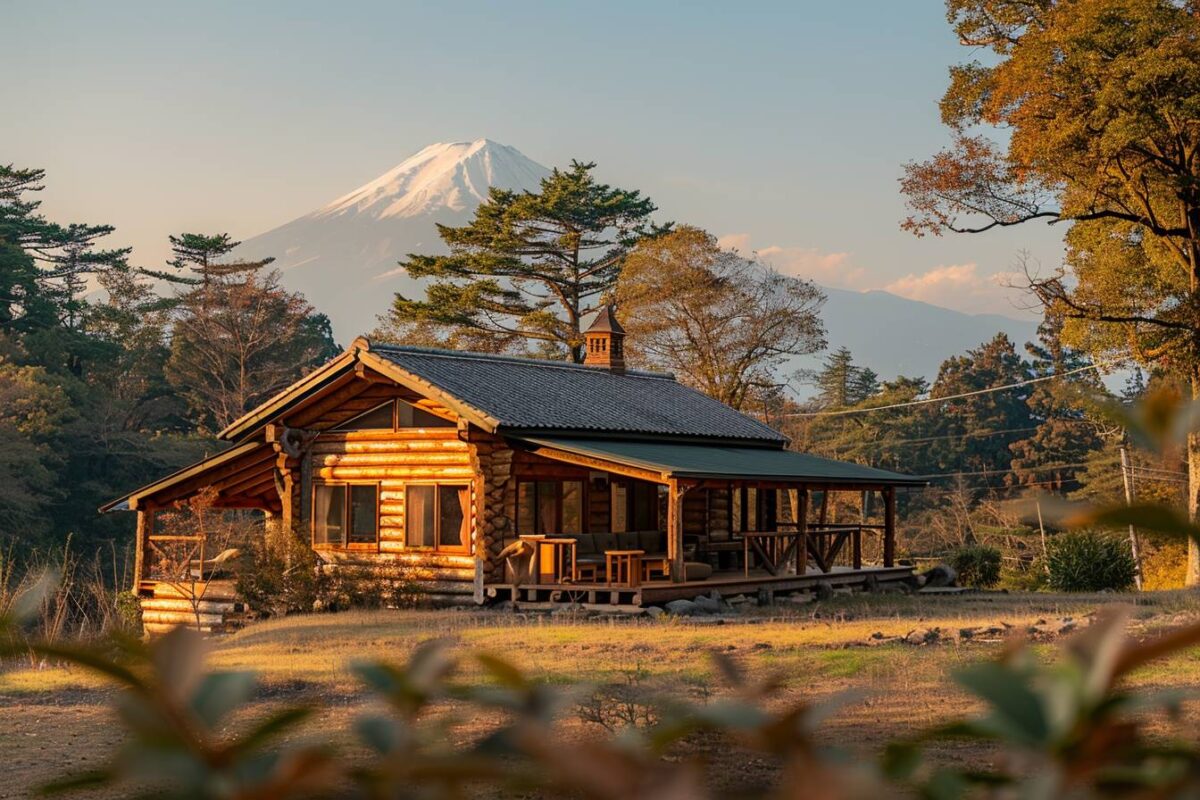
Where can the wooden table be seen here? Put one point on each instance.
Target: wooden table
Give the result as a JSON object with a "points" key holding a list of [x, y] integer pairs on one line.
{"points": [[558, 552], [624, 567]]}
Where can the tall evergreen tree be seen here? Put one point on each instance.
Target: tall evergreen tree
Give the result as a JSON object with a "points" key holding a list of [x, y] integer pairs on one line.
{"points": [[841, 383], [530, 266], [238, 336], [1064, 434], [976, 431]]}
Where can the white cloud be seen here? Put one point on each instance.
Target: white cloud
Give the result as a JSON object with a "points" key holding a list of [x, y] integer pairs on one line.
{"points": [[827, 269], [961, 287]]}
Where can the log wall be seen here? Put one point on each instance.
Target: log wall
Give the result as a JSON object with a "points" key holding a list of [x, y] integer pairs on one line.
{"points": [[393, 460]]}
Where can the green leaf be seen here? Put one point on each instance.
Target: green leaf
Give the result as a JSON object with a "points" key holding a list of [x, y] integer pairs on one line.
{"points": [[504, 672], [179, 661], [1016, 711], [221, 692], [382, 734], [271, 726]]}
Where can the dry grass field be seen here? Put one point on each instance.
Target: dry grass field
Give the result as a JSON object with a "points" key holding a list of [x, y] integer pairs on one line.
{"points": [[57, 718]]}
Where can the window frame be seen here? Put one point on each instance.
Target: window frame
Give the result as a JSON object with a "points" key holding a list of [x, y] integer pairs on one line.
{"points": [[347, 510], [396, 427], [584, 505], [438, 547]]}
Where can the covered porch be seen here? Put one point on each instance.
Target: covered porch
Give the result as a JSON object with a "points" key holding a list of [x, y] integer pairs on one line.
{"points": [[736, 519]]}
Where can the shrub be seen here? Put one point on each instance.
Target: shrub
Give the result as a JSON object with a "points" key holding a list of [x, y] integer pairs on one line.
{"points": [[977, 565], [129, 611], [1029, 577], [1164, 565], [279, 576], [1087, 561]]}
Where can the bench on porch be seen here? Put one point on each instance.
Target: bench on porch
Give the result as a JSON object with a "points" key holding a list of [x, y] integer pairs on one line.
{"points": [[591, 547]]}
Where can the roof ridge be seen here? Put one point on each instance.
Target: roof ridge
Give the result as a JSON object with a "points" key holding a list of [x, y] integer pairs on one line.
{"points": [[467, 355]]}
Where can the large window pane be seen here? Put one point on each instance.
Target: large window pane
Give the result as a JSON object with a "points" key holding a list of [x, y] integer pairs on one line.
{"points": [[572, 507], [378, 418], [645, 507], [329, 514], [420, 516], [363, 529], [409, 416], [453, 517], [547, 507]]}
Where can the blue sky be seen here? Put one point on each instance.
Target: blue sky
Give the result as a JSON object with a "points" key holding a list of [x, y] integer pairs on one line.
{"points": [[780, 126]]}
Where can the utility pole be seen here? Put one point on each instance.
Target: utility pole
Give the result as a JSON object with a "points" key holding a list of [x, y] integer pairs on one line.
{"points": [[1134, 547]]}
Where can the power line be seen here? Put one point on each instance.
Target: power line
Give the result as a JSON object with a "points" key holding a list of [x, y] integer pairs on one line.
{"points": [[1008, 471], [924, 401]]}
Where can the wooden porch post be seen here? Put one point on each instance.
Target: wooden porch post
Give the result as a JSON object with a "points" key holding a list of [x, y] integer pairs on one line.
{"points": [[889, 526], [802, 529], [675, 530], [139, 547]]}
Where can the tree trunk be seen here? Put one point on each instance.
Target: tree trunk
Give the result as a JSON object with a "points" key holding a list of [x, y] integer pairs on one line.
{"points": [[1193, 504]]}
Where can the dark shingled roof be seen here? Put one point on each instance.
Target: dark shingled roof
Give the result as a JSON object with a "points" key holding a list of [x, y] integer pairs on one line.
{"points": [[524, 394]]}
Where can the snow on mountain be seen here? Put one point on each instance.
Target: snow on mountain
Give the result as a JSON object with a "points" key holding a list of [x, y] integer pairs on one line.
{"points": [[455, 176], [344, 256]]}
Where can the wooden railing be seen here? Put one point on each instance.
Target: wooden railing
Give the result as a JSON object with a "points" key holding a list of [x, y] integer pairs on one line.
{"points": [[178, 559], [826, 544]]}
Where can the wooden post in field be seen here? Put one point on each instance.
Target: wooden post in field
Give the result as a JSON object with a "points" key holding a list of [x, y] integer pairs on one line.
{"points": [[889, 526], [1134, 545]]}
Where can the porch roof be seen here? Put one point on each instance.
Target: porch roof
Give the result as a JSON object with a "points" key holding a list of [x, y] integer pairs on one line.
{"points": [[243, 476], [707, 462]]}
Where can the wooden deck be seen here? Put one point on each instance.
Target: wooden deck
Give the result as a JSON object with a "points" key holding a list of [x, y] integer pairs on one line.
{"points": [[728, 583]]}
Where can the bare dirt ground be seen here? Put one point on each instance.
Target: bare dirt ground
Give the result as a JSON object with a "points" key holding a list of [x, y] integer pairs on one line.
{"points": [[55, 719]]}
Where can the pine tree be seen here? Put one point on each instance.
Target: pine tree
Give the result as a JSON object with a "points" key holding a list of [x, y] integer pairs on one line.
{"points": [[841, 383], [530, 266], [43, 265], [977, 430], [1064, 434], [205, 256], [239, 336]]}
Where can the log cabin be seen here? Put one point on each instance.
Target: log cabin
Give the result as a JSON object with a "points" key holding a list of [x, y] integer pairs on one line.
{"points": [[495, 478]]}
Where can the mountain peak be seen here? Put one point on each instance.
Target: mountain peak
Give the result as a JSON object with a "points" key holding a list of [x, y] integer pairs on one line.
{"points": [[444, 175]]}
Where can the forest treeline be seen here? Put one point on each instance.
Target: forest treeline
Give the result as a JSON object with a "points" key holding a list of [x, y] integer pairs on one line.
{"points": [[112, 375]]}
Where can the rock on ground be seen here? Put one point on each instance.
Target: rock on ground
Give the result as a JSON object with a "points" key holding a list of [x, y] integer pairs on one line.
{"points": [[939, 576]]}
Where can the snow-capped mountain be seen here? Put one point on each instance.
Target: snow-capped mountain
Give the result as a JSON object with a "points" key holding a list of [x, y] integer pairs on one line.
{"points": [[344, 255], [451, 176]]}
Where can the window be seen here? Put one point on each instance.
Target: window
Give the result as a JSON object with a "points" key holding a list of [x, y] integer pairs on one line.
{"points": [[345, 515], [438, 516], [637, 506], [394, 415], [409, 416], [549, 507]]}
